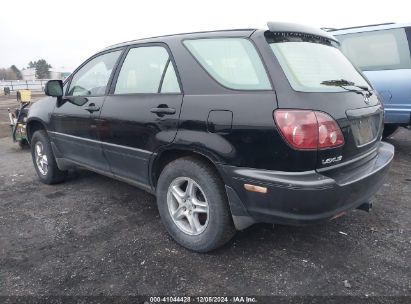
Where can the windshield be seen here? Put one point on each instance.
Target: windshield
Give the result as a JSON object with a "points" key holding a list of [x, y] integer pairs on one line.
{"points": [[313, 65]]}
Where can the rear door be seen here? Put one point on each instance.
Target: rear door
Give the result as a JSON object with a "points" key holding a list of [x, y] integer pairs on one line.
{"points": [[384, 57], [141, 112], [74, 121]]}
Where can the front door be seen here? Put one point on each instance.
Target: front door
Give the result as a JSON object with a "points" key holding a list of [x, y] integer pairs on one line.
{"points": [[74, 121], [141, 112]]}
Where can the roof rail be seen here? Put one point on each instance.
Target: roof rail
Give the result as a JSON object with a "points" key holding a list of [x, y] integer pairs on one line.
{"points": [[353, 27]]}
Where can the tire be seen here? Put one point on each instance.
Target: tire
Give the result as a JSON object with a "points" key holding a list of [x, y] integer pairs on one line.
{"points": [[216, 227], [389, 130], [23, 144], [49, 173]]}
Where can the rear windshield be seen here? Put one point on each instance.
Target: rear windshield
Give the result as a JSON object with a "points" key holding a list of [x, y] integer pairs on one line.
{"points": [[389, 48], [309, 62]]}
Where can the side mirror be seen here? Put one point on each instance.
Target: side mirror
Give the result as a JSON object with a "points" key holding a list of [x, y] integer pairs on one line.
{"points": [[54, 88]]}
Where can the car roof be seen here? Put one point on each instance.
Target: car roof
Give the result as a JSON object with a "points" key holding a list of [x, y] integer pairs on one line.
{"points": [[272, 26], [366, 28], [182, 36]]}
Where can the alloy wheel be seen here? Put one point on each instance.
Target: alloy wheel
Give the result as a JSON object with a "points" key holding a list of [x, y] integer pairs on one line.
{"points": [[188, 205], [41, 158]]}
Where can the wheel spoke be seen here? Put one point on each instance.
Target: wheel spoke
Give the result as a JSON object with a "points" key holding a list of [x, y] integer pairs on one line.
{"points": [[196, 202], [45, 159], [177, 194], [194, 223], [179, 214], [38, 150], [200, 209], [190, 188], [199, 206]]}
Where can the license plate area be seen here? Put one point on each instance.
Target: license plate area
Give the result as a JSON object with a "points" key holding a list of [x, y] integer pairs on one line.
{"points": [[365, 129], [365, 124]]}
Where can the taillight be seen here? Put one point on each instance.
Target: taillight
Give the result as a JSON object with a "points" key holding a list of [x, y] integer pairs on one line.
{"points": [[308, 130], [299, 128], [329, 133]]}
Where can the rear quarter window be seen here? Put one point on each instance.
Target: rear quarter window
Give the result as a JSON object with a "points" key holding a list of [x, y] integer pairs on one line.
{"points": [[377, 50], [233, 62]]}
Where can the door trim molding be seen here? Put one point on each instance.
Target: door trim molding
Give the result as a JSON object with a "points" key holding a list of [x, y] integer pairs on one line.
{"points": [[100, 142]]}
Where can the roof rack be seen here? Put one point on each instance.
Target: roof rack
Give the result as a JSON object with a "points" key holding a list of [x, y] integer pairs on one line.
{"points": [[330, 29]]}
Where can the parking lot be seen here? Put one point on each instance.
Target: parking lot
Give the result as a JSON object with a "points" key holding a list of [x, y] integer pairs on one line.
{"points": [[95, 236]]}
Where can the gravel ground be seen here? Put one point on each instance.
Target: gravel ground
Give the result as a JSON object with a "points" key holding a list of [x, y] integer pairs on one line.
{"points": [[96, 236]]}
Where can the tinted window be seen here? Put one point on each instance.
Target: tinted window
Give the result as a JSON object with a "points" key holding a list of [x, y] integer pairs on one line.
{"points": [[233, 62], [92, 78], [378, 50], [143, 70], [308, 64]]}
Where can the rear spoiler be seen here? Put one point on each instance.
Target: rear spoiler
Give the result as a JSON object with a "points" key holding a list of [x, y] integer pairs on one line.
{"points": [[284, 27]]}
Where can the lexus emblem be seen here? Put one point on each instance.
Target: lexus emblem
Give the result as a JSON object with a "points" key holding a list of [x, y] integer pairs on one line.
{"points": [[366, 99]]}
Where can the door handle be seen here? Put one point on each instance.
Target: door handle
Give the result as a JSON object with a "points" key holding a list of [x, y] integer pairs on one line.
{"points": [[163, 111], [92, 108]]}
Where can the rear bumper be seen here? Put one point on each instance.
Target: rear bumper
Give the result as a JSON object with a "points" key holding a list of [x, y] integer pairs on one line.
{"points": [[305, 197]]}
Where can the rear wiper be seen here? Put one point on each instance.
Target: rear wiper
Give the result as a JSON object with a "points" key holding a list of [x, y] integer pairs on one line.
{"points": [[343, 83]]}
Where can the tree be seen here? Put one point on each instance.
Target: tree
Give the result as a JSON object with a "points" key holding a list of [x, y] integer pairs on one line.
{"points": [[42, 68], [7, 74], [16, 71]]}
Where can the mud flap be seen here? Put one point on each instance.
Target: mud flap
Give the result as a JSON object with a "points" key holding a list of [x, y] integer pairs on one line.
{"points": [[241, 218]]}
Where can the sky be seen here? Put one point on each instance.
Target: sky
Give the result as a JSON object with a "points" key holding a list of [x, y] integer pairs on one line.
{"points": [[66, 33]]}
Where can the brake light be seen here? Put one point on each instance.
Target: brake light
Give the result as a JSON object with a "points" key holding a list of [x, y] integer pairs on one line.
{"points": [[308, 130]]}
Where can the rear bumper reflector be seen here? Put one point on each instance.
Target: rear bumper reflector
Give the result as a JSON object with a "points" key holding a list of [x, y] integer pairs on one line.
{"points": [[254, 188]]}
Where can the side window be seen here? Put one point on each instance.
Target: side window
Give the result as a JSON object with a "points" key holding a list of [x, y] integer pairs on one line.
{"points": [[170, 82], [233, 62], [144, 70], [377, 50], [92, 78]]}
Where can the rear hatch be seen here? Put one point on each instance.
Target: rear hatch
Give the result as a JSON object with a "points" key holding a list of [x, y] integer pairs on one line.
{"points": [[321, 78]]}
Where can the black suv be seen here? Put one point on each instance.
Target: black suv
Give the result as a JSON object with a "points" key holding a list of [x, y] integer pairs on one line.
{"points": [[227, 128]]}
